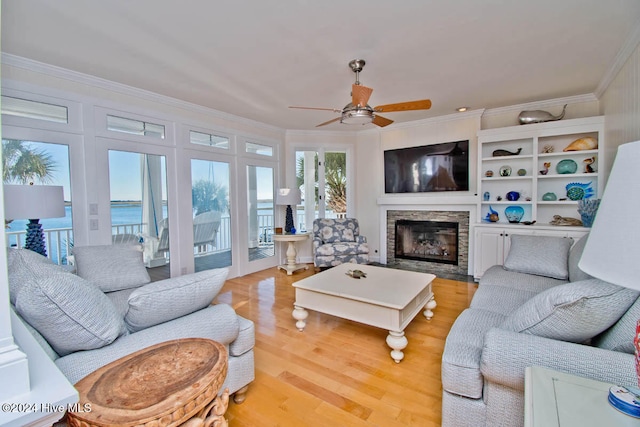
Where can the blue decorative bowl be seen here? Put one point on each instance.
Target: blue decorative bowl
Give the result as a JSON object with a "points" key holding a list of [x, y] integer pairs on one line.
{"points": [[514, 213]]}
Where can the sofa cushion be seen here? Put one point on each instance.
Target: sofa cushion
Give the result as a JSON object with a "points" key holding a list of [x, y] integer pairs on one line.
{"points": [[539, 255], [168, 299], [463, 349], [498, 276], [573, 312], [575, 273], [111, 267], [500, 299], [71, 313], [620, 336], [342, 248]]}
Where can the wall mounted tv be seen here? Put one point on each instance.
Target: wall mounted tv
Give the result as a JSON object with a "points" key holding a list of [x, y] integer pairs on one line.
{"points": [[427, 168]]}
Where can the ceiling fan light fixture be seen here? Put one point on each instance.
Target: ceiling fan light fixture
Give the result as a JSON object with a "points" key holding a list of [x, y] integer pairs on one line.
{"points": [[354, 115]]}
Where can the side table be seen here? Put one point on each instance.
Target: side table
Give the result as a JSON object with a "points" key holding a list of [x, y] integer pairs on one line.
{"points": [[291, 264], [557, 399], [167, 384]]}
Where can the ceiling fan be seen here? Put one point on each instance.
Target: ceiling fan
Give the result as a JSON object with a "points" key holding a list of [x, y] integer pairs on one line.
{"points": [[358, 110]]}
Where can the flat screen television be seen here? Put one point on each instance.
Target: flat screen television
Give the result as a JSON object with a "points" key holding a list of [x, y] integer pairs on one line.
{"points": [[427, 168]]}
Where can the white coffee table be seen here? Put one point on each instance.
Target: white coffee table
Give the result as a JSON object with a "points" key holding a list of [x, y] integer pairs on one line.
{"points": [[387, 298]]}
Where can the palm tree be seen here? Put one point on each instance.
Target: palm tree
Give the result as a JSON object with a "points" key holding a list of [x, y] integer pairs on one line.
{"points": [[335, 179], [23, 164], [208, 196]]}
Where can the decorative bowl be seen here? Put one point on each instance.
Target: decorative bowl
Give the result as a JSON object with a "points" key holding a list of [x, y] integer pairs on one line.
{"points": [[514, 213], [566, 166], [513, 196]]}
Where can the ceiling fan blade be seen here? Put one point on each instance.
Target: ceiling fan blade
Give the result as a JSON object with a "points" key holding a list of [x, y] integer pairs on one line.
{"points": [[381, 121], [423, 104], [316, 108], [330, 121], [360, 95]]}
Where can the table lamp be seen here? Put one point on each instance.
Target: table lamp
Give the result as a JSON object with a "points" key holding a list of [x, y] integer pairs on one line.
{"points": [[612, 252], [34, 202], [288, 197]]}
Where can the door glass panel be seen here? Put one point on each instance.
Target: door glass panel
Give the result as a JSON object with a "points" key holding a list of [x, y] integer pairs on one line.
{"points": [[260, 203], [323, 196], [211, 219], [138, 188], [42, 163]]}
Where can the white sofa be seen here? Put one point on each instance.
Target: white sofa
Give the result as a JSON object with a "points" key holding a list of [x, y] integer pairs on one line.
{"points": [[539, 309], [109, 309]]}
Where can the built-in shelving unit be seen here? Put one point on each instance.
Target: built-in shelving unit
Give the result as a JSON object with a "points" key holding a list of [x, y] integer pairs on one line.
{"points": [[529, 166]]}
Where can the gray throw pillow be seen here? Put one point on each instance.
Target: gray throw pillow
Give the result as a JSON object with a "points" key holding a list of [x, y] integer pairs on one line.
{"points": [[169, 299], [540, 255], [112, 267], [573, 312], [69, 312], [22, 264]]}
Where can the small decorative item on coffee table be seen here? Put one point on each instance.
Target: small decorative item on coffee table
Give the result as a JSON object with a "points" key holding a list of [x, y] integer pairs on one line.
{"points": [[167, 384]]}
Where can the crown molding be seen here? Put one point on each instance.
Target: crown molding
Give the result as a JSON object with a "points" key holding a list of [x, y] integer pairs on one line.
{"points": [[623, 55], [100, 83], [589, 97]]}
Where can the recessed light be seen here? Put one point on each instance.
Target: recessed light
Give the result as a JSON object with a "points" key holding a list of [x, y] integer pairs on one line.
{"points": [[462, 109]]}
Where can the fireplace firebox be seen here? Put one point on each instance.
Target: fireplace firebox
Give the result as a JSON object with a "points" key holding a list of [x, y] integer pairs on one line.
{"points": [[432, 241]]}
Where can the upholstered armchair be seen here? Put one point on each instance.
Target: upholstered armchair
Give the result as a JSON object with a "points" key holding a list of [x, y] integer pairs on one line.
{"points": [[336, 241]]}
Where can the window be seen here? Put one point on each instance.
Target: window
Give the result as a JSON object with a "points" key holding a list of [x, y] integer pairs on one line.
{"points": [[134, 127], [262, 150], [34, 110], [216, 141]]}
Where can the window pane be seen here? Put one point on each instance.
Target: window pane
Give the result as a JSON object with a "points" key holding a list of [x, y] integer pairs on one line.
{"points": [[134, 127], [263, 150], [34, 110], [260, 221], [48, 164], [138, 189], [209, 140], [211, 219], [335, 176]]}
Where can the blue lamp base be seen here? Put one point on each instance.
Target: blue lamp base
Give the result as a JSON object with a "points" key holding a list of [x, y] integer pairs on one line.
{"points": [[35, 237], [288, 225]]}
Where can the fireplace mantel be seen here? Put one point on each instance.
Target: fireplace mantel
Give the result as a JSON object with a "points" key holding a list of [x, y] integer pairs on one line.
{"points": [[433, 199]]}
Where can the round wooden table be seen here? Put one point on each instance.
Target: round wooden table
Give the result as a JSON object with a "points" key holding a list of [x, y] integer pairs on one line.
{"points": [[291, 266], [169, 384]]}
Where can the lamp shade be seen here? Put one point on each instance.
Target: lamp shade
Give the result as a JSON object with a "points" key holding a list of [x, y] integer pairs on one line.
{"points": [[33, 201], [288, 196], [612, 252]]}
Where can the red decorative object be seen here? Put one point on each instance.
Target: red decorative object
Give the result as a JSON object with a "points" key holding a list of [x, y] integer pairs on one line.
{"points": [[636, 344]]}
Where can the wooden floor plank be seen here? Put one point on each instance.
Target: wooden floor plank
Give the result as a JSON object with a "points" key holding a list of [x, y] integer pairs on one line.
{"points": [[338, 372]]}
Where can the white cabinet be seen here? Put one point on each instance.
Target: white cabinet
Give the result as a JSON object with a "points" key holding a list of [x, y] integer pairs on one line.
{"points": [[492, 242]]}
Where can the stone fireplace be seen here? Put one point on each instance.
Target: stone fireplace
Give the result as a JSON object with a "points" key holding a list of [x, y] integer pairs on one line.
{"points": [[428, 240]]}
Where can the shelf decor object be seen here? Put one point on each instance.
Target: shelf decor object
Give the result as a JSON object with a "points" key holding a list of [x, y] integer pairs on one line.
{"points": [[287, 197], [34, 202], [514, 214], [579, 190], [587, 210], [566, 166], [612, 251]]}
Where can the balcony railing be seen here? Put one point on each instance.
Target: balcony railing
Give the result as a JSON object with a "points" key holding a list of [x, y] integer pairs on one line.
{"points": [[59, 241]]}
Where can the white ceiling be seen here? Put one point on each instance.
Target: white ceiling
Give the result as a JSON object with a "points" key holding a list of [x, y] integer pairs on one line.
{"points": [[254, 58]]}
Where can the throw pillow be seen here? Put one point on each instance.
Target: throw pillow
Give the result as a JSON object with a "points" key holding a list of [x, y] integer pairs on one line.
{"points": [[112, 267], [573, 312], [540, 255], [169, 299], [18, 261], [69, 312]]}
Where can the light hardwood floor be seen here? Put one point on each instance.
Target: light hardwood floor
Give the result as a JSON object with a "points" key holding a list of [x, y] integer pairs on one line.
{"points": [[338, 372]]}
